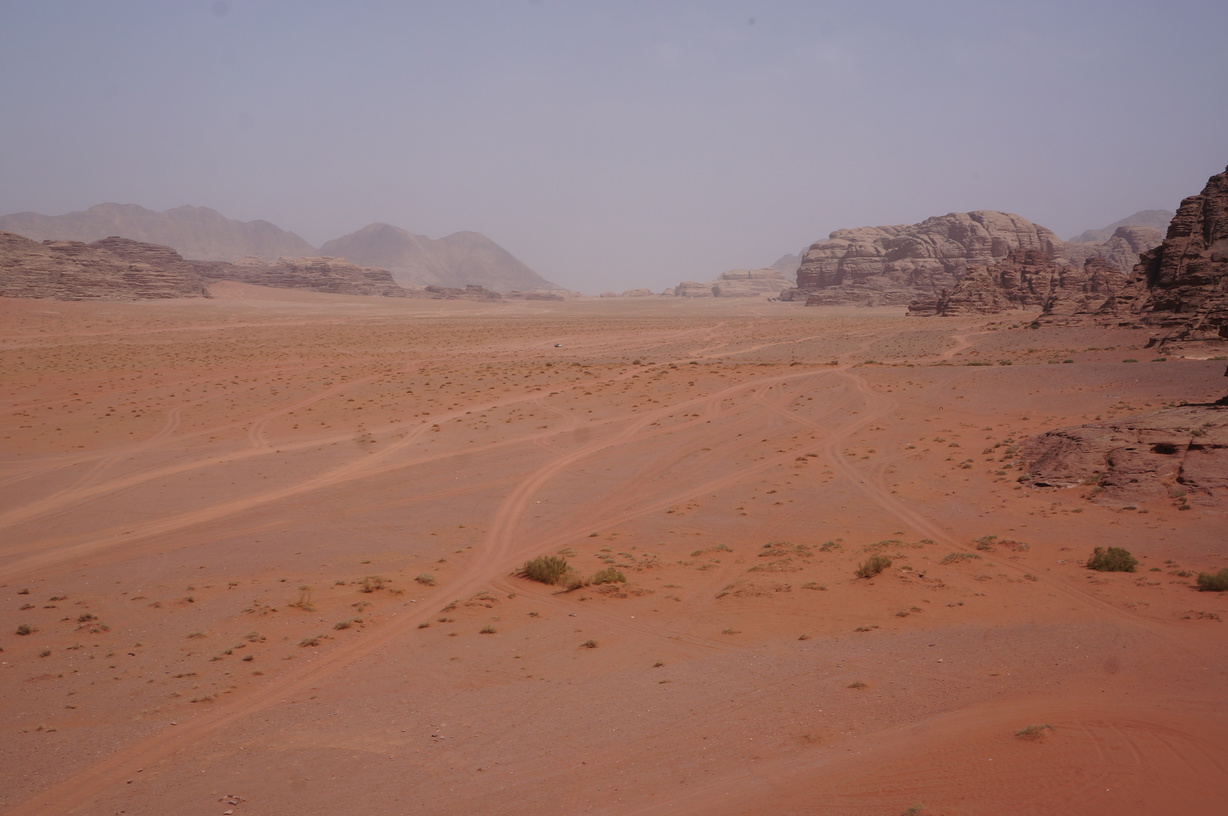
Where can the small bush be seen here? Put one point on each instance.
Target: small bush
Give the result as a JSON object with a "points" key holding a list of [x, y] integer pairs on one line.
{"points": [[609, 575], [1034, 732], [1114, 559], [589, 644], [25, 629], [545, 569], [1213, 581], [426, 579], [371, 583], [488, 630], [873, 566]]}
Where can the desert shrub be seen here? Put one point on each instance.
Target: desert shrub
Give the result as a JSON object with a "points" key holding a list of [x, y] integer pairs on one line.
{"points": [[956, 557], [545, 569], [589, 644], [873, 566], [1213, 581], [1034, 732], [426, 579], [371, 583], [1114, 559], [25, 629], [488, 630], [609, 575]]}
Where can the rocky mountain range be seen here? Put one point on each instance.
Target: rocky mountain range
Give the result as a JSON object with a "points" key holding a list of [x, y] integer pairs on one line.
{"points": [[123, 269], [198, 233], [202, 234]]}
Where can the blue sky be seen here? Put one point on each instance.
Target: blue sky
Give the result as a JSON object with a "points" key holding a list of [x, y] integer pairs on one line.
{"points": [[612, 145]]}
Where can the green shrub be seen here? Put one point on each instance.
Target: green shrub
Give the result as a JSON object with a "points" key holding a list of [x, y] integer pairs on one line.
{"points": [[545, 569], [609, 575], [873, 566], [1114, 559], [1213, 581]]}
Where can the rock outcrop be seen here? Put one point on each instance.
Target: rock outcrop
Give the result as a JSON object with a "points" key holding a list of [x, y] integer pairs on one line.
{"points": [[333, 275], [198, 233], [122, 269], [1079, 292], [453, 262], [1181, 286], [1175, 451], [71, 270], [894, 265], [767, 282], [1026, 279], [1022, 280], [1121, 249]]}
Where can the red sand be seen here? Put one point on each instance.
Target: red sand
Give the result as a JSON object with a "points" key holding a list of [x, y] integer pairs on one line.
{"points": [[194, 492]]}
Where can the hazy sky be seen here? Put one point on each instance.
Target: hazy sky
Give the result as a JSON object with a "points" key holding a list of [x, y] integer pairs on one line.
{"points": [[614, 144]]}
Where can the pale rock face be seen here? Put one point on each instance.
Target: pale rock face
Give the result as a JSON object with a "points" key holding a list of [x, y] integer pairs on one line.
{"points": [[70, 270], [766, 282], [897, 264], [1121, 250]]}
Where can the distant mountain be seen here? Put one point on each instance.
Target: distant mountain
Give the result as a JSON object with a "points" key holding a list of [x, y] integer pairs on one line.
{"points": [[197, 233], [458, 260], [1156, 219]]}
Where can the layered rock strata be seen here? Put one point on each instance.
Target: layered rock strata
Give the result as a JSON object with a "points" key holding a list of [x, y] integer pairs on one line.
{"points": [[71, 270], [1181, 286], [766, 282], [894, 265], [1173, 452]]}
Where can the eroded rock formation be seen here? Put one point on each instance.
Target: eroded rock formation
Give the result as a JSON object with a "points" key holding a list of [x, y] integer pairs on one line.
{"points": [[1182, 285], [766, 282], [71, 270], [895, 265]]}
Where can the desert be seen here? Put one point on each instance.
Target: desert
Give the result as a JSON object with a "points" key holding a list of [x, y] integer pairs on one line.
{"points": [[265, 549]]}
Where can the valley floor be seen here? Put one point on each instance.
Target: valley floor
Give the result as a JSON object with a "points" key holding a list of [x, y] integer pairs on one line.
{"points": [[262, 549]]}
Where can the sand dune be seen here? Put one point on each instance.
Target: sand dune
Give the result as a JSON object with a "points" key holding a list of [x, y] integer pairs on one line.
{"points": [[264, 547]]}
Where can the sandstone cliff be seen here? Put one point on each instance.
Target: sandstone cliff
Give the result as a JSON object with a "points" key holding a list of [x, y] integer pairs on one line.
{"points": [[71, 270], [454, 261], [1121, 249], [1181, 286], [195, 232], [895, 265]]}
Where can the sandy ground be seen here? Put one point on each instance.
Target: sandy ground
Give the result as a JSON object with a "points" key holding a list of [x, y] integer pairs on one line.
{"points": [[264, 549]]}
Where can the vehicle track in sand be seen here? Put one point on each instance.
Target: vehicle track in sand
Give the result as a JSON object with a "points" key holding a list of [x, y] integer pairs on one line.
{"points": [[503, 547]]}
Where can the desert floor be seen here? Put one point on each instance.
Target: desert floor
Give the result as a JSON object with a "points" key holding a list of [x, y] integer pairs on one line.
{"points": [[264, 547]]}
